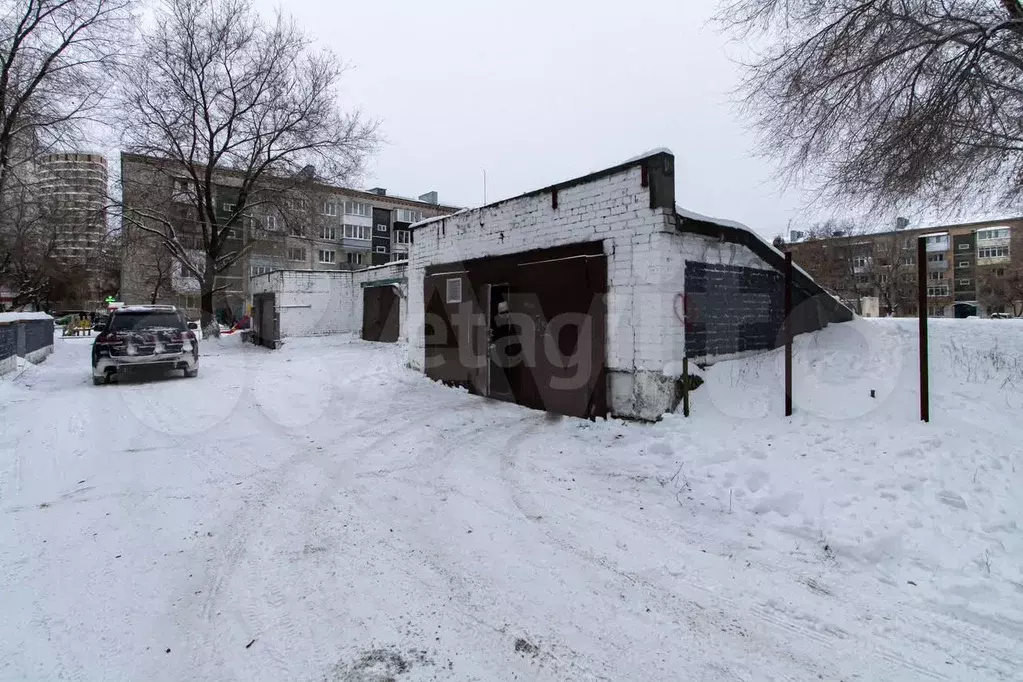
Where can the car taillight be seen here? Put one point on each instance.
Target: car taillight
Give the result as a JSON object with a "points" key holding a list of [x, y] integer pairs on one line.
{"points": [[108, 339], [188, 336]]}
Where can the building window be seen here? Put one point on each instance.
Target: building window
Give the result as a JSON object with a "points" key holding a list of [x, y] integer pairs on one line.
{"points": [[907, 260], [357, 232], [331, 232], [860, 262], [399, 255], [271, 222], [380, 249], [993, 252], [936, 275], [993, 233], [908, 277], [298, 204], [327, 256], [963, 264], [963, 283], [862, 279], [356, 208], [938, 239], [296, 255], [381, 227], [183, 271], [964, 247], [255, 270], [408, 215], [938, 290], [935, 257], [296, 231], [329, 208], [354, 258], [454, 290], [229, 207], [401, 236], [999, 272]]}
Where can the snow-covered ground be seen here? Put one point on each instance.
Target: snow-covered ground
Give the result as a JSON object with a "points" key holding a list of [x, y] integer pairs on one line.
{"points": [[323, 513]]}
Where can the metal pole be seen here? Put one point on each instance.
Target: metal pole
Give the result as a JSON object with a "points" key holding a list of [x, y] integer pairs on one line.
{"points": [[788, 333], [685, 387], [921, 283]]}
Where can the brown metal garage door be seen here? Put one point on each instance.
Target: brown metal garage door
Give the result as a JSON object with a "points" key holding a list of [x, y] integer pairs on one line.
{"points": [[380, 313], [527, 328]]}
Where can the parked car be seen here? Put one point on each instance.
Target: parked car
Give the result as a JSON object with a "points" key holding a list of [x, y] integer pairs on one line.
{"points": [[1000, 316], [153, 337]]}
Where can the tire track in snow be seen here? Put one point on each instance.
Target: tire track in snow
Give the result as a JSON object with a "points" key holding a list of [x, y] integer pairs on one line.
{"points": [[776, 620], [250, 518]]}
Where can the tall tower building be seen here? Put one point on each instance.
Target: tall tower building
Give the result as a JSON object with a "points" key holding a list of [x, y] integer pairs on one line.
{"points": [[74, 187]]}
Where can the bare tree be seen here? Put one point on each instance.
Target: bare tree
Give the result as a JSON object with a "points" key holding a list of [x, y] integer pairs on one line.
{"points": [[888, 100], [54, 62], [230, 105]]}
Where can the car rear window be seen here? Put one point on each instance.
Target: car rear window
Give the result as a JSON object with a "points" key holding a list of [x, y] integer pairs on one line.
{"points": [[145, 320]]}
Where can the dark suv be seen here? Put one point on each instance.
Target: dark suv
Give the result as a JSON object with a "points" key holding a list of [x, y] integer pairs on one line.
{"points": [[144, 337]]}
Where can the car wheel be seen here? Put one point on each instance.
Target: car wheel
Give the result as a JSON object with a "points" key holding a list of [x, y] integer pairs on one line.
{"points": [[99, 381], [192, 372]]}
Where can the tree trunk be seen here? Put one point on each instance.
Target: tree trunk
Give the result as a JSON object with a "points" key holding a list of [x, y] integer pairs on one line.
{"points": [[208, 320]]}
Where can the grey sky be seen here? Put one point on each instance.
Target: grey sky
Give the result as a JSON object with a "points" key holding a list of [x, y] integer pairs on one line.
{"points": [[537, 92]]}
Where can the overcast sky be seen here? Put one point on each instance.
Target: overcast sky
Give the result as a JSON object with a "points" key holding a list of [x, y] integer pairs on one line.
{"points": [[539, 92]]}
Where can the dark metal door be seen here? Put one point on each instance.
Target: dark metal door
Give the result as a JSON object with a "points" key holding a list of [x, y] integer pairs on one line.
{"points": [[380, 314]]}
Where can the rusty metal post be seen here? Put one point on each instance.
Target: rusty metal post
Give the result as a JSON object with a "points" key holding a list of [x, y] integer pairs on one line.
{"points": [[787, 330], [685, 387], [921, 283]]}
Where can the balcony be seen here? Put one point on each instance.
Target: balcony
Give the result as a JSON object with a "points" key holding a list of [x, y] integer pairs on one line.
{"points": [[937, 265], [938, 243]]}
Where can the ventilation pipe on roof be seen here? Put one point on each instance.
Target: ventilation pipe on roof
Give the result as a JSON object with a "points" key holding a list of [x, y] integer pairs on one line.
{"points": [[429, 197]]}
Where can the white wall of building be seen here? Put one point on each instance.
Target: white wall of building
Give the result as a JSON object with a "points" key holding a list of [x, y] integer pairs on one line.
{"points": [[317, 303], [645, 266]]}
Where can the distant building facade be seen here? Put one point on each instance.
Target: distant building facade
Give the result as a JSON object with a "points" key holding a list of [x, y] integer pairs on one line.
{"points": [[292, 224], [972, 268], [75, 186]]}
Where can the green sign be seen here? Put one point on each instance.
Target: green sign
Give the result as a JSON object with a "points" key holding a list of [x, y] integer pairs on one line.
{"points": [[110, 299]]}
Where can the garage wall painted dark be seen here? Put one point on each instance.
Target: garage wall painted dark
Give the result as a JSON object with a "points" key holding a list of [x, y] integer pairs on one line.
{"points": [[36, 335], [731, 309], [8, 340]]}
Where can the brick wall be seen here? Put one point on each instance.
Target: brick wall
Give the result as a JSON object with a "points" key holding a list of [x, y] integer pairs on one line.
{"points": [[732, 309], [653, 268], [643, 270], [316, 303]]}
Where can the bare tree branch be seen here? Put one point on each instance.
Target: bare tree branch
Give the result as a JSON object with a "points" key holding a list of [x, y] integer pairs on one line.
{"points": [[234, 107], [888, 101]]}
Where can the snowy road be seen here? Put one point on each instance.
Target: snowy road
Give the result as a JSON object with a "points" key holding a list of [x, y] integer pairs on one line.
{"points": [[322, 513]]}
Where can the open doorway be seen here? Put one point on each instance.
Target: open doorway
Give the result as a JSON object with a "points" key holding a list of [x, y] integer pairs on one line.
{"points": [[503, 344]]}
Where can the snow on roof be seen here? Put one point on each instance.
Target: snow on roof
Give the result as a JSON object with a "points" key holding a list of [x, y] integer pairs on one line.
{"points": [[439, 218], [146, 309], [693, 215], [18, 317], [646, 155]]}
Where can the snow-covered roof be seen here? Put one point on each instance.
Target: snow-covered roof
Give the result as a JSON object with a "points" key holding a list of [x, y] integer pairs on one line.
{"points": [[565, 183], [18, 317]]}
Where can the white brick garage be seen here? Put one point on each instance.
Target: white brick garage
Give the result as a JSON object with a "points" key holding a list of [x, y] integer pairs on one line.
{"points": [[317, 303], [629, 212], [627, 215]]}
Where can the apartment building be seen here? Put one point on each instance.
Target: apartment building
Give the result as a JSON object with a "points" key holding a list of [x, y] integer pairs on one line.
{"points": [[76, 184], [972, 268], [289, 223]]}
